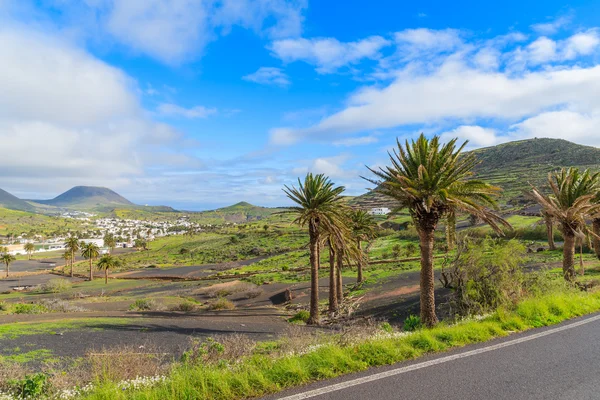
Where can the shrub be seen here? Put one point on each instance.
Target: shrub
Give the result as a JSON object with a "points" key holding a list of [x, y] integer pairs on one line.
{"points": [[221, 304], [485, 274], [386, 327], [300, 317], [142, 305], [22, 308], [57, 285], [412, 323], [58, 305], [4, 306], [31, 386], [185, 306]]}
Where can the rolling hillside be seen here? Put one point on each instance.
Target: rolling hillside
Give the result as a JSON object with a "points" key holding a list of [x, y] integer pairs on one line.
{"points": [[238, 213], [11, 202], [87, 197], [514, 166]]}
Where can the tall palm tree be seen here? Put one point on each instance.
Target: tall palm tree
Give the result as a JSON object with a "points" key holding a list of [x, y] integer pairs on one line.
{"points": [[570, 202], [319, 206], [333, 298], [72, 245], [431, 179], [67, 257], [7, 259], [596, 236], [29, 248], [107, 262], [90, 251], [363, 229]]}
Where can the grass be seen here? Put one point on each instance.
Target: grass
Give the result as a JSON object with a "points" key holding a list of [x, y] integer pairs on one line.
{"points": [[16, 329], [16, 355], [260, 374]]}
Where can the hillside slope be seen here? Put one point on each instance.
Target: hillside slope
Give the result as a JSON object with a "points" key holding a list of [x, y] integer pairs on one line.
{"points": [[239, 213], [514, 166], [87, 197], [9, 201]]}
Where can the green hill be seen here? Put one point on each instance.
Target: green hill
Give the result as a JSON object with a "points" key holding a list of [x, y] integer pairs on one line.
{"points": [[9, 201], [87, 197], [239, 213], [514, 166]]}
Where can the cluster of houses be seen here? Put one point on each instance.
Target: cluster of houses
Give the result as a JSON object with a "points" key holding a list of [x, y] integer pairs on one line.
{"points": [[125, 231]]}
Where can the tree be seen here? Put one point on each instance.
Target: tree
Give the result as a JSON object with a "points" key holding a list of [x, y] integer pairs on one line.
{"points": [[107, 262], [430, 179], [90, 251], [141, 244], [319, 206], [7, 259], [570, 202], [110, 242], [29, 248], [549, 221], [72, 245], [363, 229]]}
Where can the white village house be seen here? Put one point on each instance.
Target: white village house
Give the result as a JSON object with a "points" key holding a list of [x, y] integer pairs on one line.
{"points": [[379, 211]]}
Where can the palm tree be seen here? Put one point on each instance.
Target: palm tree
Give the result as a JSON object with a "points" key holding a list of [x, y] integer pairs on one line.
{"points": [[596, 235], [571, 201], [7, 259], [430, 179], [72, 245], [67, 257], [90, 251], [110, 242], [29, 248], [549, 222], [319, 207], [333, 298], [107, 262], [363, 229]]}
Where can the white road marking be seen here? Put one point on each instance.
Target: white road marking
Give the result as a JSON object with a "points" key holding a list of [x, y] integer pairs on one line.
{"points": [[437, 361]]}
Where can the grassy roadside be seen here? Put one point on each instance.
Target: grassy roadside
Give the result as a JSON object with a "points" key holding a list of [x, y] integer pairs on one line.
{"points": [[260, 374]]}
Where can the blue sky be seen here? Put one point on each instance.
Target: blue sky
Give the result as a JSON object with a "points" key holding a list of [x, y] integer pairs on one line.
{"points": [[199, 104]]}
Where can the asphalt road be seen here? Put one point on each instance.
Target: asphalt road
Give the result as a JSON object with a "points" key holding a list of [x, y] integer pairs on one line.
{"points": [[559, 362]]}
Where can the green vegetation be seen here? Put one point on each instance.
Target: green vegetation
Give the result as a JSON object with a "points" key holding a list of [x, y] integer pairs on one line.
{"points": [[259, 373], [16, 329]]}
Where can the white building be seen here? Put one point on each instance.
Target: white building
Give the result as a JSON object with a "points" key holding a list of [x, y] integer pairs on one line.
{"points": [[380, 211]]}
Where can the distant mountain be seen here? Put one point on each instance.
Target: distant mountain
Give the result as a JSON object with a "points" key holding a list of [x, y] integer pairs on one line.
{"points": [[87, 197], [239, 213], [7, 200], [513, 166]]}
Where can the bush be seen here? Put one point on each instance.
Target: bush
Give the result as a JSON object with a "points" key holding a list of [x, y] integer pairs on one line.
{"points": [[485, 274], [58, 305], [186, 306], [300, 317], [412, 323], [221, 304], [4, 306], [31, 386], [142, 305], [57, 285], [22, 308], [386, 327]]}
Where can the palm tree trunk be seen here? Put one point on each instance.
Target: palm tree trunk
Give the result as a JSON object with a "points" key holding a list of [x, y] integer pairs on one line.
{"points": [[91, 272], [72, 261], [313, 232], [359, 276], [451, 230], [106, 276], [428, 317], [569, 254], [596, 230], [549, 231], [7, 268], [338, 275], [333, 303]]}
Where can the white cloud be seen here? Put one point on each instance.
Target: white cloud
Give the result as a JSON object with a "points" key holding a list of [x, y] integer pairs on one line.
{"points": [[330, 166], [476, 135], [565, 124], [174, 110], [542, 50], [268, 76], [454, 91], [552, 27], [176, 31], [417, 41], [583, 43], [67, 118], [357, 141], [328, 54], [42, 78]]}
